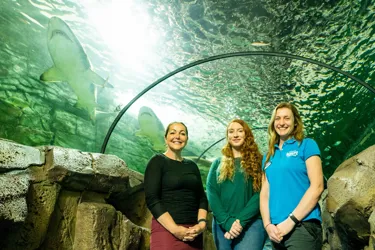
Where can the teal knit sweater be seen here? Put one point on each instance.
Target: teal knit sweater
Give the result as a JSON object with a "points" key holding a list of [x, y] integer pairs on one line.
{"points": [[231, 200]]}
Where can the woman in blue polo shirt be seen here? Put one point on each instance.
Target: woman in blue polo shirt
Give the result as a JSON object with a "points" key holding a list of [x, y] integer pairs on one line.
{"points": [[292, 184]]}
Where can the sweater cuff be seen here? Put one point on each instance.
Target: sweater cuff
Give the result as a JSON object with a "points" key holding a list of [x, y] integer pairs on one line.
{"points": [[228, 224]]}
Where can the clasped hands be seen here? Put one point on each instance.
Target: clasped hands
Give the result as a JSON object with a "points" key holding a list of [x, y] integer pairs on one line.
{"points": [[190, 233], [234, 231], [277, 233]]}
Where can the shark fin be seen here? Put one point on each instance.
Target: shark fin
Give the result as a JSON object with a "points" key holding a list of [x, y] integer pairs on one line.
{"points": [[96, 79], [107, 84], [93, 116], [90, 113], [53, 74]]}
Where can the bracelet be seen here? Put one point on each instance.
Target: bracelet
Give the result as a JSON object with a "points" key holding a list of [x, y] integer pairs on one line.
{"points": [[267, 225], [202, 220]]}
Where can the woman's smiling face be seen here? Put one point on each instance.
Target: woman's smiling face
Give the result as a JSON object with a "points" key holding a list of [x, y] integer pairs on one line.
{"points": [[284, 123], [236, 135], [176, 137]]}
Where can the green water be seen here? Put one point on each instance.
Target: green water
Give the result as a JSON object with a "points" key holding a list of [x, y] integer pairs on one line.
{"points": [[131, 44]]}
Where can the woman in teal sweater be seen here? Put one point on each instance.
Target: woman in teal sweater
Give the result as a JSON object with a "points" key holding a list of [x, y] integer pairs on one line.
{"points": [[233, 186]]}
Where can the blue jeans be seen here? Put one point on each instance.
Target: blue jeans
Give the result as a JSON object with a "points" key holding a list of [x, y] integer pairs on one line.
{"points": [[252, 237], [267, 244]]}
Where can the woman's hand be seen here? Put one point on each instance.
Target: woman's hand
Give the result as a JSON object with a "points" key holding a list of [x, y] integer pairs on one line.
{"points": [[228, 236], [286, 226], [274, 233], [179, 232], [194, 231], [234, 231]]}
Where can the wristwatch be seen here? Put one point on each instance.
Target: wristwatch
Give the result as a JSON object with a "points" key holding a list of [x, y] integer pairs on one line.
{"points": [[294, 219], [202, 220]]}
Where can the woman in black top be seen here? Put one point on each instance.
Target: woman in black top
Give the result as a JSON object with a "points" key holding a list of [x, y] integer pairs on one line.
{"points": [[175, 196]]}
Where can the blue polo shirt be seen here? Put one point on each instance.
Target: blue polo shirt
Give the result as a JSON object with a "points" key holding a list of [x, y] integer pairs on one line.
{"points": [[287, 177]]}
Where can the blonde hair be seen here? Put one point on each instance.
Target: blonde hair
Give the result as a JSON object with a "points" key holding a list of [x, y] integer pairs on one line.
{"points": [[297, 132], [251, 158]]}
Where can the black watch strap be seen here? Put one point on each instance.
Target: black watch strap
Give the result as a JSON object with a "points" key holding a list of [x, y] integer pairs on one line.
{"points": [[202, 220], [294, 219]]}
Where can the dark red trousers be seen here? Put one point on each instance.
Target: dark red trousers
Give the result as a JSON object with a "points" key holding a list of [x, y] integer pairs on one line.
{"points": [[162, 239]]}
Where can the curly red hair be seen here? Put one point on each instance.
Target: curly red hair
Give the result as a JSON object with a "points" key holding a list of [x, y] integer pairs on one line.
{"points": [[251, 158]]}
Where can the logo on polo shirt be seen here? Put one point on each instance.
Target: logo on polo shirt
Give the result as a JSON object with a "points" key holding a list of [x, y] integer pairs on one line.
{"points": [[292, 153]]}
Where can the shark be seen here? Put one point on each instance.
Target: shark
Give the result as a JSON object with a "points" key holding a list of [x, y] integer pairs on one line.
{"points": [[151, 127], [71, 65]]}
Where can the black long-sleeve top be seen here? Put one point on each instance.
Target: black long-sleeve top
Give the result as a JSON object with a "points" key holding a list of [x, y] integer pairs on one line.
{"points": [[175, 187]]}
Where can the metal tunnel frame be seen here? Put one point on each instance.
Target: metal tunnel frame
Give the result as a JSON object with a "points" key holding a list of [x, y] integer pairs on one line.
{"points": [[222, 56], [213, 144]]}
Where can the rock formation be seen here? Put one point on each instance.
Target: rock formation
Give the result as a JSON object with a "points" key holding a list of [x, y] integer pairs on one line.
{"points": [[349, 216], [57, 198]]}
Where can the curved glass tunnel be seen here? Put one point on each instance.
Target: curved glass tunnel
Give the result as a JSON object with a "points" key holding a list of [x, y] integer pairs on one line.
{"points": [[130, 45]]}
